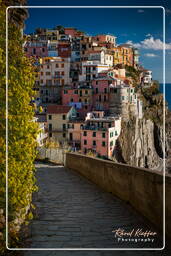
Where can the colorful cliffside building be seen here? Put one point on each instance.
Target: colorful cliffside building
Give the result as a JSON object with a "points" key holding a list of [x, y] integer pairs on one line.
{"points": [[83, 87]]}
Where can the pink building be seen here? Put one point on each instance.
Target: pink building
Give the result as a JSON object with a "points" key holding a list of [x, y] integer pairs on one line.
{"points": [[74, 133], [99, 135], [80, 98], [36, 49], [69, 95], [101, 92]]}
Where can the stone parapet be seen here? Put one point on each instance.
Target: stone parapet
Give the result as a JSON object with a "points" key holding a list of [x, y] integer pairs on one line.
{"points": [[142, 188]]}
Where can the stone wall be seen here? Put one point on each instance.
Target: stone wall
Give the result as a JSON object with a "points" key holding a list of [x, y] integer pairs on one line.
{"points": [[56, 155], [140, 187]]}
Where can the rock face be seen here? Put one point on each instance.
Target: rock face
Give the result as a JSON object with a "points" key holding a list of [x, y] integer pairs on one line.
{"points": [[140, 144]]}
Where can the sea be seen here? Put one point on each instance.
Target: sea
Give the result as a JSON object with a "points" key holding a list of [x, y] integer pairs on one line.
{"points": [[167, 93]]}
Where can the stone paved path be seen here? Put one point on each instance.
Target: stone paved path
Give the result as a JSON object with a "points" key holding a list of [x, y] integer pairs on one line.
{"points": [[74, 213]]}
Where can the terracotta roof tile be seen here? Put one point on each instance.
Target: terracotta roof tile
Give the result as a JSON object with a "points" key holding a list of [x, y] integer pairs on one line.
{"points": [[58, 109]]}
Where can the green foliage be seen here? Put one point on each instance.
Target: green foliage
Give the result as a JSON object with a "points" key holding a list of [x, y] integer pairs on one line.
{"points": [[153, 103], [22, 131], [133, 73]]}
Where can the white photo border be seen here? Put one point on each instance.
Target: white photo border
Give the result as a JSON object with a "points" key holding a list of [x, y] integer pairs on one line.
{"points": [[164, 167]]}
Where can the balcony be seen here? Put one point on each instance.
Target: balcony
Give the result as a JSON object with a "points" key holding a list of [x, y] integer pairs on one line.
{"points": [[93, 128], [57, 76]]}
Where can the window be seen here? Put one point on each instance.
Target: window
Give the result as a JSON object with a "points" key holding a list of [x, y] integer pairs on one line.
{"points": [[111, 134], [85, 100], [64, 126], [103, 135], [41, 73], [50, 117], [86, 92], [47, 73], [63, 117], [34, 51], [115, 90], [96, 90], [85, 142], [63, 73], [94, 68], [96, 82], [116, 133], [103, 143], [50, 134], [49, 82], [111, 143], [76, 92], [50, 127], [85, 107], [57, 73], [105, 98], [100, 98], [41, 81], [71, 100], [94, 134], [105, 90], [43, 49], [94, 143], [123, 97], [64, 135], [80, 100], [65, 92], [62, 65], [85, 133], [48, 66]]}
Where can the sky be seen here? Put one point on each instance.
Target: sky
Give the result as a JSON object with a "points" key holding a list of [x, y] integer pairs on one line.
{"points": [[142, 27]]}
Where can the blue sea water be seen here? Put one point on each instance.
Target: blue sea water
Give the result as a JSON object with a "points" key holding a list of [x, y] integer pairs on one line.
{"points": [[167, 93]]}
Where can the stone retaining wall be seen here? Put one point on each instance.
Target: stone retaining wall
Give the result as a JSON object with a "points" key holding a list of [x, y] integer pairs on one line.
{"points": [[55, 155], [142, 188]]}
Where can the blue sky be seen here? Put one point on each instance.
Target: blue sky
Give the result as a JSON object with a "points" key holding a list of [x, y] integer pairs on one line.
{"points": [[142, 27]]}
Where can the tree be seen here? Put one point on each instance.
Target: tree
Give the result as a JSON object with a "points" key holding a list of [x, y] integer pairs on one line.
{"points": [[61, 29], [16, 15], [22, 131]]}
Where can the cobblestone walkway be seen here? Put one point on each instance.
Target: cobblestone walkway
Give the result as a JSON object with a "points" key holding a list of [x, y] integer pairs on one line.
{"points": [[74, 213]]}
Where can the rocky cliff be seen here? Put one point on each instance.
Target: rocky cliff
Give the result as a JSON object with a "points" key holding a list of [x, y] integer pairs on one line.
{"points": [[141, 142]]}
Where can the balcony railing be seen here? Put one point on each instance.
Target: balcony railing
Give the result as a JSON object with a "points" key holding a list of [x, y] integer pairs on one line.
{"points": [[94, 128], [57, 76]]}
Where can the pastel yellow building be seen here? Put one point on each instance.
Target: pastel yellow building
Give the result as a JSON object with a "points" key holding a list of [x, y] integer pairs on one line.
{"points": [[58, 117]]}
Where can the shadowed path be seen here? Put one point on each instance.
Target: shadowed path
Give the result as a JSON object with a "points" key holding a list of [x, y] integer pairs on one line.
{"points": [[74, 213]]}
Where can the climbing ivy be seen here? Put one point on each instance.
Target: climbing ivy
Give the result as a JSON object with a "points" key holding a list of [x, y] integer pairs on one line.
{"points": [[22, 130]]}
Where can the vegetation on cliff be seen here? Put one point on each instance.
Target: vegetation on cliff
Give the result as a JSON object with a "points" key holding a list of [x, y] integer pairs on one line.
{"points": [[152, 103], [22, 131], [134, 74]]}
